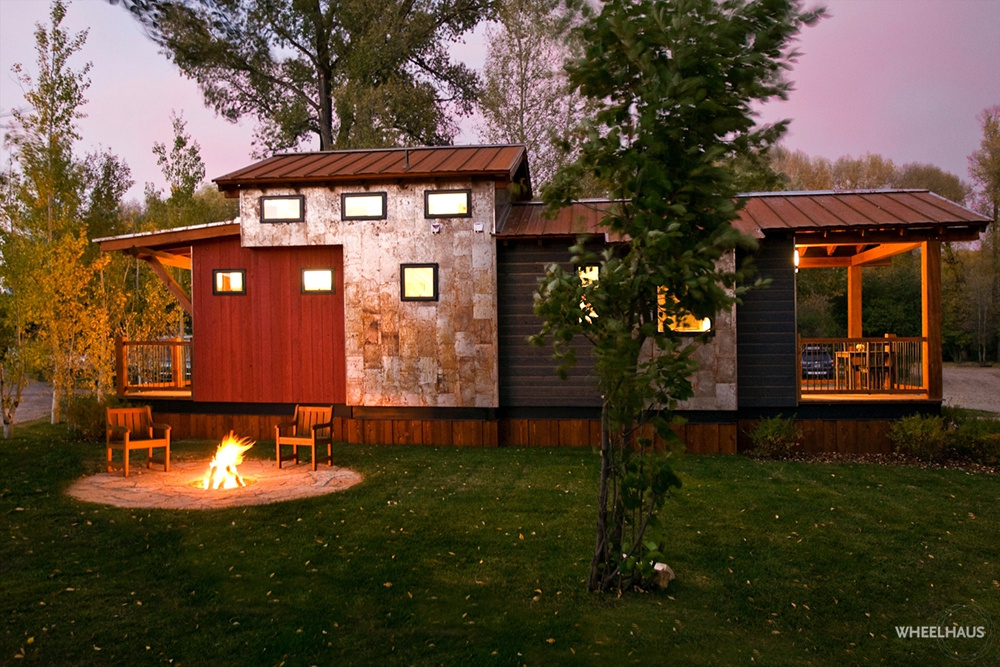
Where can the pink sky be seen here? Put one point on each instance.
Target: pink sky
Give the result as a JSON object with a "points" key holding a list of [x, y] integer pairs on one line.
{"points": [[904, 78]]}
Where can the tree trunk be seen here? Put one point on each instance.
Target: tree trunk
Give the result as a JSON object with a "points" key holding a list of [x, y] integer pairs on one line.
{"points": [[595, 581], [8, 430], [54, 414]]}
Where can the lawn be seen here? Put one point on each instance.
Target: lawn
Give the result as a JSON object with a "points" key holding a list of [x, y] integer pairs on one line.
{"points": [[447, 556]]}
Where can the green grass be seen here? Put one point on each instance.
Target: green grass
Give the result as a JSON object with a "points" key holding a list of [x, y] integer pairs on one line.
{"points": [[486, 552]]}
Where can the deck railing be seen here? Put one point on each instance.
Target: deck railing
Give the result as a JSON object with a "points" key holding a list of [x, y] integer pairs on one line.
{"points": [[151, 366], [887, 365]]}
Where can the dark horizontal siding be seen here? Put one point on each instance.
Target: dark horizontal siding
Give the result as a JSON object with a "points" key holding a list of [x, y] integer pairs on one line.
{"points": [[527, 373], [765, 332]]}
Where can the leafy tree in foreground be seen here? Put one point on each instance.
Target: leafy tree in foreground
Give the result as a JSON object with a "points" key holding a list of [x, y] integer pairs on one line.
{"points": [[354, 73], [676, 81]]}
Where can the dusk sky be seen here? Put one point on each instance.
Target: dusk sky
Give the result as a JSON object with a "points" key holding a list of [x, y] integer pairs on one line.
{"points": [[903, 78]]}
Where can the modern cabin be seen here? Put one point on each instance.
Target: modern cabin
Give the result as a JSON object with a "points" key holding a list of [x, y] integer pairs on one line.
{"points": [[397, 285]]}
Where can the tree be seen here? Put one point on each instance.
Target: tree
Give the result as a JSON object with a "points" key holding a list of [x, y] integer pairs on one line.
{"points": [[526, 98], [52, 272], [675, 83], [354, 73], [984, 167], [183, 167]]}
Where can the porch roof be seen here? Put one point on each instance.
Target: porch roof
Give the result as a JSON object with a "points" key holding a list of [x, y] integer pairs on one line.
{"points": [[860, 216]]}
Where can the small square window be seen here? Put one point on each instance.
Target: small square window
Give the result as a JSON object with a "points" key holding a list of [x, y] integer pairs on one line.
{"points": [[362, 206], [448, 203], [317, 281], [684, 323], [418, 282], [283, 208], [229, 281]]}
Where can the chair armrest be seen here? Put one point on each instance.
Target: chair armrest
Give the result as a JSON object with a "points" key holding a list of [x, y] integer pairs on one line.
{"points": [[120, 431], [283, 425], [328, 424], [160, 427]]}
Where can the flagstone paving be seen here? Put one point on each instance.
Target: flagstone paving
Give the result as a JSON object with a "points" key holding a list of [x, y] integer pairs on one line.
{"points": [[181, 489]]}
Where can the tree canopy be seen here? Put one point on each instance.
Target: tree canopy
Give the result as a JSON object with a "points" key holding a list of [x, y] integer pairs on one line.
{"points": [[353, 73]]}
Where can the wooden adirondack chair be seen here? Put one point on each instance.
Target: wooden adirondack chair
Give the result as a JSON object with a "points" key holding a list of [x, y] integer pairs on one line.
{"points": [[133, 428], [310, 427]]}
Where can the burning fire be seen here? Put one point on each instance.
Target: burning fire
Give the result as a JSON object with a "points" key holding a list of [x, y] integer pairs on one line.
{"points": [[222, 473]]}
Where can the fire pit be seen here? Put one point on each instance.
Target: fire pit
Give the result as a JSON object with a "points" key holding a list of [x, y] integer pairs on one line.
{"points": [[189, 486]]}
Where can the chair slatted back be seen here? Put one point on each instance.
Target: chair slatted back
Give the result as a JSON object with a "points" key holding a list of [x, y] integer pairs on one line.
{"points": [[137, 420], [308, 416]]}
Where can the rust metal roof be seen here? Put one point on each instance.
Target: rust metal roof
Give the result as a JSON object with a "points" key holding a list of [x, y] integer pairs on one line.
{"points": [[508, 163], [888, 213]]}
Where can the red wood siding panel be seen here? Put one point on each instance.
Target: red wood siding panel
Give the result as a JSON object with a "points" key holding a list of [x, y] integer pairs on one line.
{"points": [[273, 344]]}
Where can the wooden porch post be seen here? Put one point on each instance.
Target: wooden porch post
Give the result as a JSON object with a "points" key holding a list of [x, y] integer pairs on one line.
{"points": [[930, 286], [854, 302], [121, 365]]}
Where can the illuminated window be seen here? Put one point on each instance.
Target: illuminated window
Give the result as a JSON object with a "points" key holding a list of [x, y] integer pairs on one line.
{"points": [[448, 203], [284, 208], [229, 281], [418, 282], [588, 275], [362, 206], [317, 281], [682, 322]]}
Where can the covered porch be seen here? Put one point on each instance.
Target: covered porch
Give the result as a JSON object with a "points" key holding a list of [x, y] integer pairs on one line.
{"points": [[854, 230]]}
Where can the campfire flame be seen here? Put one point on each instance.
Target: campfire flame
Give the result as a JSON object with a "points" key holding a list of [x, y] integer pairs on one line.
{"points": [[222, 473]]}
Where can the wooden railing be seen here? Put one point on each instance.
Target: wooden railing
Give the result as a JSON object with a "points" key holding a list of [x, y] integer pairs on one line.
{"points": [[887, 365], [150, 366]]}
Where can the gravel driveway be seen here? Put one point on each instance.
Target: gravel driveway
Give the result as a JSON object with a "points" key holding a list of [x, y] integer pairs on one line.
{"points": [[971, 386]]}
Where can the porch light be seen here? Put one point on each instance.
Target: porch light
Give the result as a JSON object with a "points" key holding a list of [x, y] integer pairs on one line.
{"points": [[317, 281], [283, 208], [448, 203], [363, 206], [795, 260]]}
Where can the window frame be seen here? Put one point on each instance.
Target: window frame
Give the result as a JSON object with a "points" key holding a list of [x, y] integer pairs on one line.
{"points": [[281, 221], [215, 283], [343, 205], [402, 282], [466, 191], [333, 280]]}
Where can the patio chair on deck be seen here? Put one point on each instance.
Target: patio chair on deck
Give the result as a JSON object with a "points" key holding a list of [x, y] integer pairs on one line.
{"points": [[133, 428], [310, 427]]}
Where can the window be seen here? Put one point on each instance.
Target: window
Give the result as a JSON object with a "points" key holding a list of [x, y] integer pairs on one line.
{"points": [[448, 203], [229, 281], [362, 206], [317, 281], [685, 323], [283, 208], [588, 275], [418, 282]]}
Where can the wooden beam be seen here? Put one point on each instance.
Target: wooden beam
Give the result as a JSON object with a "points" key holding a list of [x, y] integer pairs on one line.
{"points": [[833, 262], [884, 251], [165, 258], [900, 235], [854, 328], [172, 237], [171, 284], [930, 286]]}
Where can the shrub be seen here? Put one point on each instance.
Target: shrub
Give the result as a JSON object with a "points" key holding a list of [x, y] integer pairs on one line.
{"points": [[974, 437], [86, 418], [922, 437], [774, 437]]}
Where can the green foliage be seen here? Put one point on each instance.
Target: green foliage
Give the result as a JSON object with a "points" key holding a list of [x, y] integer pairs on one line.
{"points": [[920, 436], [774, 437], [356, 74], [182, 167], [674, 83], [956, 434], [86, 416]]}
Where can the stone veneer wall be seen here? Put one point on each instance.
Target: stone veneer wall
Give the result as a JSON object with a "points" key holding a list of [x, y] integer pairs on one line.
{"points": [[419, 354], [714, 383]]}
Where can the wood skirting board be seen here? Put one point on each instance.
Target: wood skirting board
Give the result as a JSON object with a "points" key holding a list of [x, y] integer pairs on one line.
{"points": [[842, 436]]}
